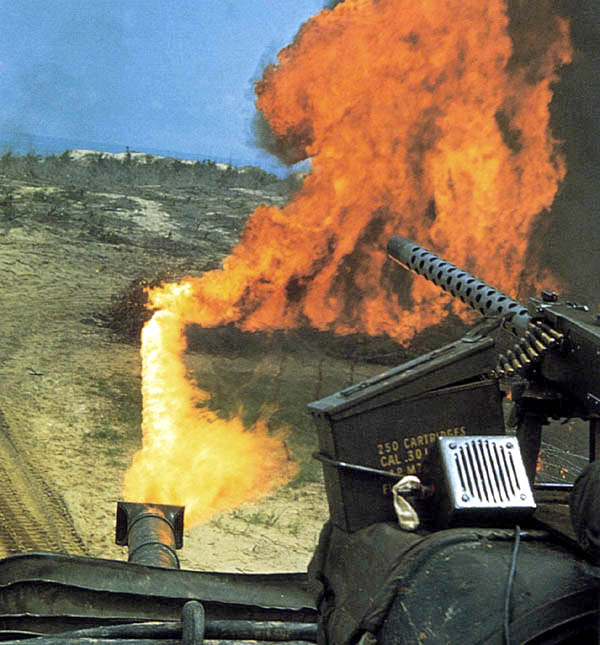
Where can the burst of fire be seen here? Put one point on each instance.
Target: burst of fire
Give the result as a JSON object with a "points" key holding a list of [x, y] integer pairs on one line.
{"points": [[190, 456], [421, 119]]}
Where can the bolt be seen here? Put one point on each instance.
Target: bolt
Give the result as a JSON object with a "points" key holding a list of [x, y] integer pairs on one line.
{"points": [[465, 498], [549, 296], [509, 444], [523, 497], [452, 445]]}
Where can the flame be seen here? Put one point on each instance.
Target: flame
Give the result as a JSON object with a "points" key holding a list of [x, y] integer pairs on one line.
{"points": [[190, 456], [419, 122], [420, 119]]}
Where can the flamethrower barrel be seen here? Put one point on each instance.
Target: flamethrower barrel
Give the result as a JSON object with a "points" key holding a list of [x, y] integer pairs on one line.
{"points": [[152, 533], [471, 290]]}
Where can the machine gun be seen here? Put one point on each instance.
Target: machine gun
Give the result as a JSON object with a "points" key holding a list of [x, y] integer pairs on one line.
{"points": [[553, 368], [441, 419], [543, 357]]}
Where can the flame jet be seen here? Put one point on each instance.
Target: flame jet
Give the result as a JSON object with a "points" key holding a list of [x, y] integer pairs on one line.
{"points": [[419, 118]]}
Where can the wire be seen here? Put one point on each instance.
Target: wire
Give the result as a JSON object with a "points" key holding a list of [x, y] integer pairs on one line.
{"points": [[509, 585], [167, 632], [598, 618]]}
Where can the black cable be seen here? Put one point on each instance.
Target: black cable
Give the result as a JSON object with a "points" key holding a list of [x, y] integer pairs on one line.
{"points": [[598, 617], [168, 630], [509, 585]]}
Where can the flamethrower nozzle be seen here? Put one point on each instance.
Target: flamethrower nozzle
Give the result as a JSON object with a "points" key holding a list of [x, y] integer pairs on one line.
{"points": [[152, 533]]}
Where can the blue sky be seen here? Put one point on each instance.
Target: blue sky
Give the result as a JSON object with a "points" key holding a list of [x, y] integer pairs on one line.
{"points": [[170, 75]]}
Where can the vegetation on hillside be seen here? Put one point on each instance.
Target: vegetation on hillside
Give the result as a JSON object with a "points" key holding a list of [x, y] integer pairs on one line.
{"points": [[101, 171]]}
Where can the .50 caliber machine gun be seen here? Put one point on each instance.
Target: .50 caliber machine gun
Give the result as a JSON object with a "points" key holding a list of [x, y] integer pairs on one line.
{"points": [[552, 370]]}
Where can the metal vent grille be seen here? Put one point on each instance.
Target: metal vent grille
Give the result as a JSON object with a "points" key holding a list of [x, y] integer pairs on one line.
{"points": [[486, 469], [485, 473]]}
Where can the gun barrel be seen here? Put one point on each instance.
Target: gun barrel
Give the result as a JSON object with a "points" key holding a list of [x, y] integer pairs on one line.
{"points": [[474, 292]]}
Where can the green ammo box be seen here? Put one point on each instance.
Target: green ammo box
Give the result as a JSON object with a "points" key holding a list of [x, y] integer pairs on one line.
{"points": [[391, 421]]}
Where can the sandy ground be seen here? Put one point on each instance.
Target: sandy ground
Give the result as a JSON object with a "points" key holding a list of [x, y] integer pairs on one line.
{"points": [[70, 395]]}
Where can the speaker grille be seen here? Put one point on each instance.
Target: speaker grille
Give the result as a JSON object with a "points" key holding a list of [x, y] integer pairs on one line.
{"points": [[482, 474], [486, 471]]}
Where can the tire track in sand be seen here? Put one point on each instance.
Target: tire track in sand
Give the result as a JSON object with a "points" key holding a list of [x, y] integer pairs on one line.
{"points": [[33, 516]]}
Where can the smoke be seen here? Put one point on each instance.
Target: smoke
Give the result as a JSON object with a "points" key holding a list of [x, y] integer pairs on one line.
{"points": [[573, 238], [289, 149], [533, 30], [292, 147], [570, 236]]}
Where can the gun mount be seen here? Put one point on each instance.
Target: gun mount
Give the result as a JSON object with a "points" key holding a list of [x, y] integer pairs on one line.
{"points": [[425, 418]]}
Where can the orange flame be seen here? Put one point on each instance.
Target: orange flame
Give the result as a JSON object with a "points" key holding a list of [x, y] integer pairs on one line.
{"points": [[420, 119], [190, 456], [419, 123]]}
